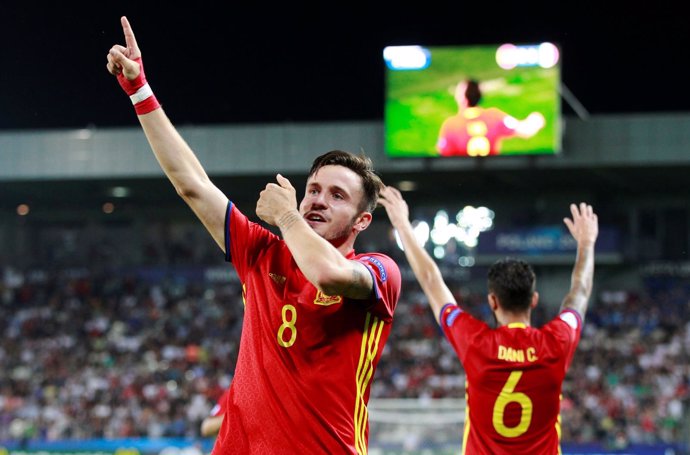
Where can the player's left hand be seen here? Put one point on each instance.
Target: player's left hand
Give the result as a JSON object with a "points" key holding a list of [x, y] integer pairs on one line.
{"points": [[584, 225], [276, 200], [396, 207]]}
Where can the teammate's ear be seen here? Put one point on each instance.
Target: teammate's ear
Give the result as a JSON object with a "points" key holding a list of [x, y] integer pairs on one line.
{"points": [[535, 300], [493, 301]]}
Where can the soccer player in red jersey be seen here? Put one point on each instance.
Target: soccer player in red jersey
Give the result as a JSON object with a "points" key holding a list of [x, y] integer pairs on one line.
{"points": [[477, 131], [317, 315], [515, 371]]}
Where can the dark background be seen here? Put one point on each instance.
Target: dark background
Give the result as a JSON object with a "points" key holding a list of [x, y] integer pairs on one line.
{"points": [[234, 62]]}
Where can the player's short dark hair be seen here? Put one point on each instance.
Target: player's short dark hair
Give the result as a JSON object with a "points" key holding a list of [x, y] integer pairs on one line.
{"points": [[362, 166], [513, 281], [473, 93]]}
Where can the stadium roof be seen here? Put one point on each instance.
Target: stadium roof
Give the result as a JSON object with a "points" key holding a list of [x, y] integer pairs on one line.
{"points": [[520, 186]]}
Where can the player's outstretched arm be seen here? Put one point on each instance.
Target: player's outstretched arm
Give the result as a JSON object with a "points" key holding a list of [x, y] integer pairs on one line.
{"points": [[584, 227], [177, 159], [531, 125], [423, 266]]}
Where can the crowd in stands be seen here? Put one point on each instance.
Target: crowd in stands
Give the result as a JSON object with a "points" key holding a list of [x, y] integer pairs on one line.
{"points": [[89, 354]]}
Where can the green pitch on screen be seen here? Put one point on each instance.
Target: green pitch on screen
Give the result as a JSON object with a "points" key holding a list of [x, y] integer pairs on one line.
{"points": [[419, 100]]}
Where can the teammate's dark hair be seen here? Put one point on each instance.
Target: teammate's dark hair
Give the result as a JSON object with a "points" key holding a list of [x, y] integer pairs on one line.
{"points": [[473, 93], [362, 166], [513, 281]]}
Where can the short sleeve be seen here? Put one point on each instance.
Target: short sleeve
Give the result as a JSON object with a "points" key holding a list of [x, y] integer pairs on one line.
{"points": [[244, 240], [387, 283]]}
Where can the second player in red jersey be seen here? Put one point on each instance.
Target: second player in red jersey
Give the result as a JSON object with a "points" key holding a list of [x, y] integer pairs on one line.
{"points": [[514, 371], [514, 378]]}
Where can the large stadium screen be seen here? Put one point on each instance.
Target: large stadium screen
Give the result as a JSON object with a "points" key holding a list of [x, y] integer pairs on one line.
{"points": [[472, 101]]}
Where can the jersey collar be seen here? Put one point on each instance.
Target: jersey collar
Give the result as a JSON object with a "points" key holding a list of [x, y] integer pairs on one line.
{"points": [[517, 325]]}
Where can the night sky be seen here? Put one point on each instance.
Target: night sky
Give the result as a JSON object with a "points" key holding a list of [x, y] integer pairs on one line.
{"points": [[213, 63]]}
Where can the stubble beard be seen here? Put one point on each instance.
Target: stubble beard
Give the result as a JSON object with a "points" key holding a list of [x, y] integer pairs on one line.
{"points": [[339, 237]]}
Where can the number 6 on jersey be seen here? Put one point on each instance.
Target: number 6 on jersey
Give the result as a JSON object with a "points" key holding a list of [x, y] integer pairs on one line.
{"points": [[507, 396]]}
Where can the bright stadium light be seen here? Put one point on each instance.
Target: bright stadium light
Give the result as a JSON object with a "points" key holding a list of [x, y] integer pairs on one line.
{"points": [[407, 185], [471, 242], [466, 261], [509, 56], [406, 57], [441, 234], [470, 223], [505, 56], [439, 252], [421, 233], [120, 191], [548, 55], [23, 209]]}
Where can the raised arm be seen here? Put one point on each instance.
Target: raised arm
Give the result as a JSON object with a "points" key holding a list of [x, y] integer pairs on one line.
{"points": [[584, 227], [531, 125], [175, 157], [425, 269]]}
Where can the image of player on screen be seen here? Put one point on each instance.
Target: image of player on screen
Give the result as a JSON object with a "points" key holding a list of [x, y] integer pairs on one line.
{"points": [[316, 314], [514, 372], [478, 131]]}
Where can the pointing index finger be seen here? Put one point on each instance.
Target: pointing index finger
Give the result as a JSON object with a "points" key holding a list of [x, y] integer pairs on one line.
{"points": [[130, 40]]}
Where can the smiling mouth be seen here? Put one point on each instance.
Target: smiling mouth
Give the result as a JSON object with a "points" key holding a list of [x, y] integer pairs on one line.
{"points": [[314, 218]]}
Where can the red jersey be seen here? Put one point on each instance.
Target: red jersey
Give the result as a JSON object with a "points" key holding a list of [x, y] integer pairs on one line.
{"points": [[514, 379], [475, 132], [306, 359]]}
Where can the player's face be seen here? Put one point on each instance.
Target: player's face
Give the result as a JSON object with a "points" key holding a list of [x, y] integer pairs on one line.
{"points": [[331, 200]]}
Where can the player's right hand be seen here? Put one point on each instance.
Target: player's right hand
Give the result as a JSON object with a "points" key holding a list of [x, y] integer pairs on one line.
{"points": [[125, 61], [276, 200]]}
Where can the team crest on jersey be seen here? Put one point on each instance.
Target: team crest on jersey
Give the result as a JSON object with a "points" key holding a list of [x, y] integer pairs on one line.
{"points": [[326, 300], [279, 279]]}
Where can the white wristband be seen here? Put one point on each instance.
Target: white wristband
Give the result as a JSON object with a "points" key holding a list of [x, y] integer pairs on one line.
{"points": [[141, 94]]}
